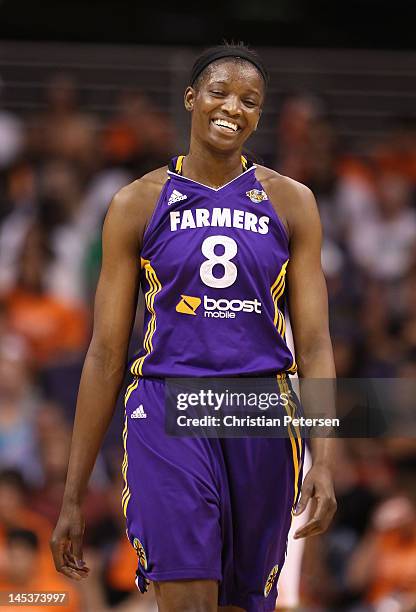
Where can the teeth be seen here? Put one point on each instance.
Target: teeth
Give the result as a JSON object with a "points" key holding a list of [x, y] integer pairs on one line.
{"points": [[227, 124]]}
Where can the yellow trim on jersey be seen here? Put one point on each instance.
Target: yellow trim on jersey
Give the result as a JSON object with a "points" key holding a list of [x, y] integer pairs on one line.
{"points": [[130, 390], [126, 494], [154, 288], [293, 368], [281, 323], [296, 443], [298, 435], [292, 406], [277, 290], [179, 163], [180, 158]]}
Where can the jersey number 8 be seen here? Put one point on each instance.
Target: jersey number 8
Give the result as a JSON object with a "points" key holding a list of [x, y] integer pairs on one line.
{"points": [[230, 269]]}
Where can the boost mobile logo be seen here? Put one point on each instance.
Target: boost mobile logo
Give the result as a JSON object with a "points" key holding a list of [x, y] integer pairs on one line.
{"points": [[217, 309], [188, 305]]}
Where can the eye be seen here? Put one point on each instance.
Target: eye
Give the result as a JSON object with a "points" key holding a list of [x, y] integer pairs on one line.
{"points": [[250, 103], [217, 92]]}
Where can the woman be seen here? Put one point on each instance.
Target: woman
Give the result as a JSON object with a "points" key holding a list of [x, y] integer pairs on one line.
{"points": [[214, 233]]}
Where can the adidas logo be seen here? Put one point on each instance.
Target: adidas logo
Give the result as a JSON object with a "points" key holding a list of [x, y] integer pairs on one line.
{"points": [[176, 196], [139, 413]]}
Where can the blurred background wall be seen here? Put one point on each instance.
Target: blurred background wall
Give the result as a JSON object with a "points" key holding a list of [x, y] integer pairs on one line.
{"points": [[82, 115]]}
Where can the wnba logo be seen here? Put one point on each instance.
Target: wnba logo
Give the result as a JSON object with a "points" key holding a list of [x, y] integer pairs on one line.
{"points": [[138, 547], [256, 195], [270, 580]]}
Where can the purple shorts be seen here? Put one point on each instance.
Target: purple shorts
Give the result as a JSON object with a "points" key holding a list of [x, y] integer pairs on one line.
{"points": [[207, 508]]}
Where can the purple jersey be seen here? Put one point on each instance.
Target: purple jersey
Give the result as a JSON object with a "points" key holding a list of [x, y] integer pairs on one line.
{"points": [[213, 275]]}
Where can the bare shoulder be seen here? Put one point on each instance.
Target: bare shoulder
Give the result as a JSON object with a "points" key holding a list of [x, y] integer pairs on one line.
{"points": [[293, 201], [142, 193], [133, 204]]}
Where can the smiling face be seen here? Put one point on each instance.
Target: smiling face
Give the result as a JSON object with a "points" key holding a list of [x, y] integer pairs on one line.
{"points": [[226, 104]]}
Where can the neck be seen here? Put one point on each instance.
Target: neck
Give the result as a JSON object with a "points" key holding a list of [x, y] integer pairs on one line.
{"points": [[212, 168]]}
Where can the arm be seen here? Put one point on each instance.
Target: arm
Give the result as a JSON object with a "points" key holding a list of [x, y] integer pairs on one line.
{"points": [[103, 371], [308, 307], [362, 562]]}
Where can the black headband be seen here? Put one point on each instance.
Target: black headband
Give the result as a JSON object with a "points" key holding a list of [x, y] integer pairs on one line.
{"points": [[222, 53]]}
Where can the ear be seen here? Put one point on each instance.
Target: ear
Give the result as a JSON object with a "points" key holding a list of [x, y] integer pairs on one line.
{"points": [[189, 98]]}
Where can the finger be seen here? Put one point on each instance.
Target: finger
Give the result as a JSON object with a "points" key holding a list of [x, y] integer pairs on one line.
{"points": [[312, 527], [76, 549], [58, 546], [325, 510], [71, 573], [314, 521], [306, 494], [71, 562], [71, 559], [323, 513]]}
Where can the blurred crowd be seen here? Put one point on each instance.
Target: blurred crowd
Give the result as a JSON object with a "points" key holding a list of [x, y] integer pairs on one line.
{"points": [[58, 171]]}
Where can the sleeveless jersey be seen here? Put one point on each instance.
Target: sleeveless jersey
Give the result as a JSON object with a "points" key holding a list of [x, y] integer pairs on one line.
{"points": [[213, 267]]}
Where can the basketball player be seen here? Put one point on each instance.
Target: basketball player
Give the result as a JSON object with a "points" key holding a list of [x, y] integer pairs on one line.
{"points": [[208, 518]]}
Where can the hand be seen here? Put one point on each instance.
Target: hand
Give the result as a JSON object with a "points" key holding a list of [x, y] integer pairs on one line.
{"points": [[66, 543], [317, 487]]}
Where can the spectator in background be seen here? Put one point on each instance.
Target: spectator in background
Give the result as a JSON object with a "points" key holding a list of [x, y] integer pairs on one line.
{"points": [[18, 403], [16, 513], [18, 213], [53, 330], [397, 152], [139, 137], [296, 118], [380, 344], [385, 246], [406, 307], [124, 138], [384, 563], [63, 131], [60, 216], [23, 573], [363, 477], [11, 135], [53, 436], [53, 452], [345, 355]]}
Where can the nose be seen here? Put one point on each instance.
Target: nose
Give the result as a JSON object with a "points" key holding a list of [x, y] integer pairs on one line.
{"points": [[231, 105]]}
